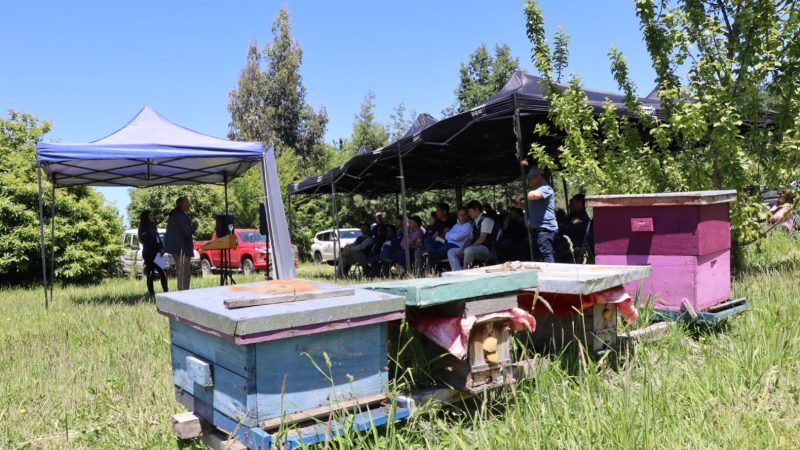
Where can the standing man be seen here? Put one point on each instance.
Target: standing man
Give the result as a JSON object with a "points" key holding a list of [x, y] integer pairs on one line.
{"points": [[542, 215], [179, 243]]}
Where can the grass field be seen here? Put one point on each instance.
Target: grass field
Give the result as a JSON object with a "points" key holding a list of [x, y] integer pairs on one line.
{"points": [[93, 372]]}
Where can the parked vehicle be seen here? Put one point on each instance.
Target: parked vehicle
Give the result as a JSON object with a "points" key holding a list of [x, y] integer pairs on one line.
{"points": [[252, 254], [131, 259], [322, 247]]}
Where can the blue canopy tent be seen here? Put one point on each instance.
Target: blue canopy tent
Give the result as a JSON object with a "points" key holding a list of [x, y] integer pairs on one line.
{"points": [[152, 151]]}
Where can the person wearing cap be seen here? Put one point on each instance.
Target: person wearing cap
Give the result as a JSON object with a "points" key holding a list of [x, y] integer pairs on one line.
{"points": [[542, 215]]}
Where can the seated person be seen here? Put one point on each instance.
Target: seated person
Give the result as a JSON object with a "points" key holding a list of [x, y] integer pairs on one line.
{"points": [[482, 239], [411, 241], [456, 238], [373, 258], [379, 223], [781, 211], [356, 252], [429, 233], [512, 242]]}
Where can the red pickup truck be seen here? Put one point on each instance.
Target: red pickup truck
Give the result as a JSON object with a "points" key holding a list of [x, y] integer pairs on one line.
{"points": [[251, 255]]}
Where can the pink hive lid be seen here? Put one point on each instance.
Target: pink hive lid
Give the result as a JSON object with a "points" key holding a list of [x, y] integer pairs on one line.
{"points": [[662, 199]]}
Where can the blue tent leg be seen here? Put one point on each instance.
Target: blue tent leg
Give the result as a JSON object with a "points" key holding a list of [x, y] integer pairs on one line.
{"points": [[41, 237]]}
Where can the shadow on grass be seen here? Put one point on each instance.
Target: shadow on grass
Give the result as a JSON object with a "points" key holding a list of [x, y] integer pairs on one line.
{"points": [[111, 298]]}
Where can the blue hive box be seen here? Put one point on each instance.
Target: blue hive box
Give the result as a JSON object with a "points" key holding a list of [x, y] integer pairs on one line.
{"points": [[315, 345]]}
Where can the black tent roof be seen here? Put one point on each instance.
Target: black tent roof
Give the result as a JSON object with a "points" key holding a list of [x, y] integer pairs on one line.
{"points": [[472, 148]]}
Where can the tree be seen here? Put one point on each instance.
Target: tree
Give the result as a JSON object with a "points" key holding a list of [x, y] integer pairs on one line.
{"points": [[482, 76], [717, 65], [269, 105], [401, 122], [87, 232], [366, 131], [207, 201]]}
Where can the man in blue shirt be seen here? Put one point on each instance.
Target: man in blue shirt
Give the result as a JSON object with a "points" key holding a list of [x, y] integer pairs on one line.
{"points": [[542, 215]]}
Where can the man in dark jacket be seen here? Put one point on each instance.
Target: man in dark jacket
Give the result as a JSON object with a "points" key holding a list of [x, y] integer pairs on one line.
{"points": [[179, 240]]}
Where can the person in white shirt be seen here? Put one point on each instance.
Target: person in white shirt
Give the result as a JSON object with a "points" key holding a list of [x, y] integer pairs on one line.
{"points": [[456, 237], [482, 239]]}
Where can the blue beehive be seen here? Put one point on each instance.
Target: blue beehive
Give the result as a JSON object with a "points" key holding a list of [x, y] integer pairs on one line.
{"points": [[254, 354]]}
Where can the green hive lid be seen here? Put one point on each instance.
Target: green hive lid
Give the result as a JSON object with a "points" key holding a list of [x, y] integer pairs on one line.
{"points": [[433, 291]]}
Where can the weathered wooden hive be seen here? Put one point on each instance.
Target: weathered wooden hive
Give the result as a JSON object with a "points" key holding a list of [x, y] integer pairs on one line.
{"points": [[684, 236], [250, 357], [572, 301], [475, 306]]}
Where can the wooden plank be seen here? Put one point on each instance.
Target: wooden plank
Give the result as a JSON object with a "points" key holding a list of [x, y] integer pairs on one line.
{"points": [[361, 421], [571, 278], [188, 425], [205, 308], [232, 394], [239, 359], [199, 371], [311, 371], [650, 332], [689, 308], [321, 411], [284, 298], [227, 242], [662, 198], [476, 307], [726, 305], [425, 292], [221, 441]]}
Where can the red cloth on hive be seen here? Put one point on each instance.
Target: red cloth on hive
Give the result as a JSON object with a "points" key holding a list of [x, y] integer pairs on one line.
{"points": [[568, 304], [452, 333]]}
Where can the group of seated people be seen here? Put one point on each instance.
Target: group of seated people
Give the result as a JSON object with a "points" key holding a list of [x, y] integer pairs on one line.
{"points": [[460, 239]]}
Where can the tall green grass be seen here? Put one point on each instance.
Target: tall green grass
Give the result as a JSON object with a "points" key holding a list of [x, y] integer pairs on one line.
{"points": [[93, 372]]}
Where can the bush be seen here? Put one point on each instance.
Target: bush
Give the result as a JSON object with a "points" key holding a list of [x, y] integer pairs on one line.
{"points": [[87, 232]]}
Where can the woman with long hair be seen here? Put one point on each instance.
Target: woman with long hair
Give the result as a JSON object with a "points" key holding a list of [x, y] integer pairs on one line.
{"points": [[151, 244]]}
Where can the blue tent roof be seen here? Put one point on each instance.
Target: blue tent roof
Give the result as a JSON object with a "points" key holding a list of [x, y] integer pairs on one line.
{"points": [[148, 151]]}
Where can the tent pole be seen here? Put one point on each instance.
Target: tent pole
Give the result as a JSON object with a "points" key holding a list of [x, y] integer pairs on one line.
{"points": [[521, 157], [41, 237], [459, 196], [566, 193], [266, 210], [405, 210], [335, 212], [53, 239]]}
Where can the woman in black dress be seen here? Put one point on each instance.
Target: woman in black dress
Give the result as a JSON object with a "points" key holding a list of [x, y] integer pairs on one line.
{"points": [[151, 246]]}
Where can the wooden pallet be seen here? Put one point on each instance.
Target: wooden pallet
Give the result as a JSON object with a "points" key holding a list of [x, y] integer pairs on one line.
{"points": [[217, 430], [711, 317]]}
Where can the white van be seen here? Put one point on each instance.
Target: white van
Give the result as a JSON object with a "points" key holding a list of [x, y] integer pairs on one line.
{"points": [[322, 247], [131, 259]]}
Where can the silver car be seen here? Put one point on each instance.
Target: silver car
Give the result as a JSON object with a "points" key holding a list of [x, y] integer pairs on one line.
{"points": [[131, 259]]}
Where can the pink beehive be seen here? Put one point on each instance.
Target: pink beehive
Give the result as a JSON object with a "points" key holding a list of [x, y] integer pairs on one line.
{"points": [[684, 236]]}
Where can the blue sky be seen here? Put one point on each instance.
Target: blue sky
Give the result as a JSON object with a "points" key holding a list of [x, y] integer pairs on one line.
{"points": [[90, 66]]}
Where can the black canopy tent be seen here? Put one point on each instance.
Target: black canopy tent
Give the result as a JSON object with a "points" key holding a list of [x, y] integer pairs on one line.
{"points": [[152, 151], [477, 147], [482, 146]]}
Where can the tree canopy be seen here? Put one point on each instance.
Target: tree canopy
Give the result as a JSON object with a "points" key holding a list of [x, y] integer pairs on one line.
{"points": [[482, 76], [727, 75], [87, 232], [269, 104]]}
